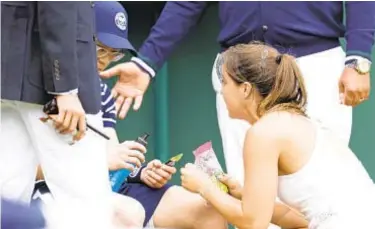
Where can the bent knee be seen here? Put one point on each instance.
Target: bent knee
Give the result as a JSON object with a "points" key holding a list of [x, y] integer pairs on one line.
{"points": [[128, 211]]}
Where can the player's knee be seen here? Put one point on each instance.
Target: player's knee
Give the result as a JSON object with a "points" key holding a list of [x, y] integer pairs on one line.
{"points": [[128, 211]]}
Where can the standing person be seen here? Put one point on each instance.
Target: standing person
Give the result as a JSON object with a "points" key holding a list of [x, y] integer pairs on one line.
{"points": [[48, 51], [308, 30], [285, 152]]}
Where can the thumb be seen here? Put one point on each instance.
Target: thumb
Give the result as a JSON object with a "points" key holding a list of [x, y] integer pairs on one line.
{"points": [[157, 163], [109, 73], [224, 178]]}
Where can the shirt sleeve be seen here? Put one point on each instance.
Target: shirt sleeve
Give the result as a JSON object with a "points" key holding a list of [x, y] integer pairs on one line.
{"points": [[360, 28], [108, 107], [174, 23]]}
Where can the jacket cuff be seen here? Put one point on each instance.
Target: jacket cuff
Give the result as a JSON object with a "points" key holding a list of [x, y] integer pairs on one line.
{"points": [[71, 92], [359, 43], [146, 67]]}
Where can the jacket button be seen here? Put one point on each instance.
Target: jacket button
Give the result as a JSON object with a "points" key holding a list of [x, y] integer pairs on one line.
{"points": [[264, 28]]}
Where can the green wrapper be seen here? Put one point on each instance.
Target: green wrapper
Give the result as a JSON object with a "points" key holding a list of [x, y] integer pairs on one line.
{"points": [[219, 184]]}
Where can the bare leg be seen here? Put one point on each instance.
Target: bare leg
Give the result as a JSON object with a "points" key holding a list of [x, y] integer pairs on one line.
{"points": [[128, 212], [182, 209]]}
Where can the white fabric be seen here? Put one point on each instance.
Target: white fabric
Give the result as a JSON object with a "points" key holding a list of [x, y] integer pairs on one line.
{"points": [[77, 175], [321, 72], [333, 190], [150, 224]]}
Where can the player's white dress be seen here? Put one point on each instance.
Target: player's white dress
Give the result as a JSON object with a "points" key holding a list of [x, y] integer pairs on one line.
{"points": [[333, 190]]}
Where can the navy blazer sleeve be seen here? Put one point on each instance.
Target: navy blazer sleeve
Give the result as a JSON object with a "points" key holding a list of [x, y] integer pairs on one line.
{"points": [[57, 22], [360, 28], [174, 23]]}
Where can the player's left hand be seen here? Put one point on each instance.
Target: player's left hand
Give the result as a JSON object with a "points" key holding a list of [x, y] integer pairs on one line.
{"points": [[194, 179], [353, 87], [157, 174]]}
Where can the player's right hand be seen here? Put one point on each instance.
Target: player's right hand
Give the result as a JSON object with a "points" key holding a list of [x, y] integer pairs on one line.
{"points": [[130, 87], [71, 115], [235, 188], [126, 155]]}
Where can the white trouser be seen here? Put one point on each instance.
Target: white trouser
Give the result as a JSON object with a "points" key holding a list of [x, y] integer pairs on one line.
{"points": [[321, 72], [77, 175]]}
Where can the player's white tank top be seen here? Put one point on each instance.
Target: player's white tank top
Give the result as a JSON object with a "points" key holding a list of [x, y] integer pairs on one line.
{"points": [[333, 190]]}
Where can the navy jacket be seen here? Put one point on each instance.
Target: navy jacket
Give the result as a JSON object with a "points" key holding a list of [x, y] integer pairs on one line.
{"points": [[298, 28], [48, 47]]}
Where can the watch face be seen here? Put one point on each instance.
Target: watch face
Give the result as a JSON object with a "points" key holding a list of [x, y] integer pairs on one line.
{"points": [[364, 67]]}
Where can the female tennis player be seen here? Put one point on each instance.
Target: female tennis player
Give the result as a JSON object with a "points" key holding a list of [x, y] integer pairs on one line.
{"points": [[286, 154]]}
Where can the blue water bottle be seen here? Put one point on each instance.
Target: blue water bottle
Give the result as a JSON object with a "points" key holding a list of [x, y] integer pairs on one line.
{"points": [[118, 177]]}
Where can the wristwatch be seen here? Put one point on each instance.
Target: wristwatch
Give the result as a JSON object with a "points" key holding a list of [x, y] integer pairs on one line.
{"points": [[360, 64]]}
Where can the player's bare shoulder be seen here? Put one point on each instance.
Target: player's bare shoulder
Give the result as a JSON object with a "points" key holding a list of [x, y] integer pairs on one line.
{"points": [[276, 125]]}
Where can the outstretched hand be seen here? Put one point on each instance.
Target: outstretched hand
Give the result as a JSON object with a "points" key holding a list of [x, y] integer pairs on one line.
{"points": [[130, 87]]}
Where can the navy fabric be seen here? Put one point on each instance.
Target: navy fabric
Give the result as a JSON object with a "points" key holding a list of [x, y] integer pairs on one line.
{"points": [[148, 197], [108, 106], [298, 28], [19, 216], [112, 25]]}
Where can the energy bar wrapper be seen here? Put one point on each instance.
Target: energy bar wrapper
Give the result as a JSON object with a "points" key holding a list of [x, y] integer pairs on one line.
{"points": [[206, 160]]}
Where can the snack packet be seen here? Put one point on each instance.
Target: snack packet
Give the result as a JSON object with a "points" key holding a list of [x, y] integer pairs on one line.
{"points": [[206, 160]]}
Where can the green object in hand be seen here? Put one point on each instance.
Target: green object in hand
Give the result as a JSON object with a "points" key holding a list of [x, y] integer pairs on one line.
{"points": [[174, 160], [220, 185]]}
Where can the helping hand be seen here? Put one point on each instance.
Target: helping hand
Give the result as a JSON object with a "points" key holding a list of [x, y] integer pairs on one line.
{"points": [[194, 179], [156, 174], [353, 87], [126, 155], [131, 85]]}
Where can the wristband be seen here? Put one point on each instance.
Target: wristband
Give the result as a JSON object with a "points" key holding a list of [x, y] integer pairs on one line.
{"points": [[135, 176]]}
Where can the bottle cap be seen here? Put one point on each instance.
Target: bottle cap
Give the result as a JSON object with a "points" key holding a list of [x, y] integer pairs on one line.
{"points": [[143, 139]]}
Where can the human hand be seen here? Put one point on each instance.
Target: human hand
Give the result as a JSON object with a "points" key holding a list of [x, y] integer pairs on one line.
{"points": [[194, 179], [131, 85], [234, 187], [157, 174], [126, 155], [353, 87], [71, 115]]}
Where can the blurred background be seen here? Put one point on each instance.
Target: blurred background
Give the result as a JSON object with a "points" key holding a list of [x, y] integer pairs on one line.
{"points": [[179, 109]]}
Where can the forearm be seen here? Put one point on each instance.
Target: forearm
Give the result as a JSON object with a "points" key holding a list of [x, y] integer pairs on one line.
{"points": [[111, 133], [288, 218], [360, 28], [230, 208], [174, 23]]}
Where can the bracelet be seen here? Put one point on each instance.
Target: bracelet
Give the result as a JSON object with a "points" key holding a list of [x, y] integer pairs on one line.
{"points": [[135, 176]]}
